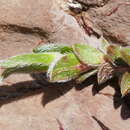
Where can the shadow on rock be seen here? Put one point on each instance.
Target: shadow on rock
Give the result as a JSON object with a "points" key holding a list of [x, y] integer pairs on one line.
{"points": [[86, 83], [14, 92], [52, 91], [118, 101], [125, 111]]}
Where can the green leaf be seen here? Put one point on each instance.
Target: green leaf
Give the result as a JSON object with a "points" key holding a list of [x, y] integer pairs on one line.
{"points": [[125, 52], [88, 55], [83, 77], [113, 51], [27, 63], [65, 68], [105, 72], [53, 48], [104, 45], [125, 84], [25, 59]]}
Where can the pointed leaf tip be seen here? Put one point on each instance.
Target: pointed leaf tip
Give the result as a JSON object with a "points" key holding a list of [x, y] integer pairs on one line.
{"points": [[125, 84], [1, 80], [104, 45]]}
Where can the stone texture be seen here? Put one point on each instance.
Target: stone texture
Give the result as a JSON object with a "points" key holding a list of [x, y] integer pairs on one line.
{"points": [[93, 2], [111, 20], [26, 104], [28, 22]]}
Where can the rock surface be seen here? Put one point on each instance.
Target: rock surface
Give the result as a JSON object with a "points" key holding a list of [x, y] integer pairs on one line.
{"points": [[93, 2], [110, 17], [25, 104]]}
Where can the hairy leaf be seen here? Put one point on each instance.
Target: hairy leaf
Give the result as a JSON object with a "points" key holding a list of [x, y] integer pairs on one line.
{"points": [[113, 52], [83, 77], [53, 48], [125, 52], [88, 55], [27, 63], [104, 45], [105, 72], [25, 59], [125, 84], [65, 68]]}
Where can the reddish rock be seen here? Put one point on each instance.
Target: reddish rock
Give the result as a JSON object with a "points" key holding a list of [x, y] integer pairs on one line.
{"points": [[28, 105], [93, 2], [111, 19]]}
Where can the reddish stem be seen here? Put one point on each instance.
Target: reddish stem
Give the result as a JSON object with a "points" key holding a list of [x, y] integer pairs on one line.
{"points": [[122, 69]]}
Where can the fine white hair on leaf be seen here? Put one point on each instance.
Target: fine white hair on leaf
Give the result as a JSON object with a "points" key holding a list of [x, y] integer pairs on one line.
{"points": [[1, 79], [52, 65]]}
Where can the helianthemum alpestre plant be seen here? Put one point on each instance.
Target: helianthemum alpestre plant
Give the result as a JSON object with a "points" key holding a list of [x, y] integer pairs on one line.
{"points": [[63, 63]]}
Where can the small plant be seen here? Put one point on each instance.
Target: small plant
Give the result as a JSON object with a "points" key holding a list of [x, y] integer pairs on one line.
{"points": [[63, 63]]}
